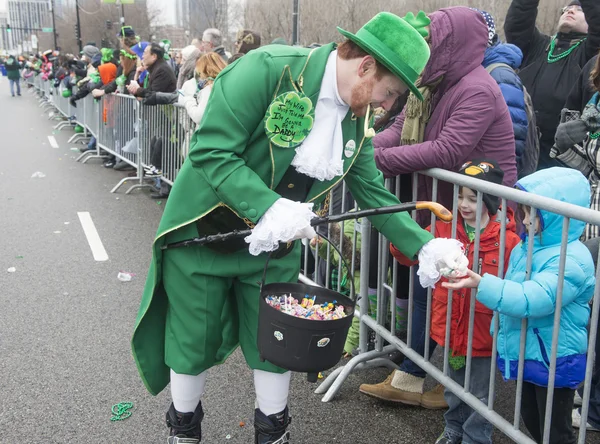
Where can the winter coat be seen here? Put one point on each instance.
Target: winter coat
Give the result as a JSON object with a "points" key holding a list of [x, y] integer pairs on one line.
{"points": [[469, 117], [549, 83], [489, 260], [12, 66], [162, 79], [511, 88], [195, 104], [583, 90], [515, 298]]}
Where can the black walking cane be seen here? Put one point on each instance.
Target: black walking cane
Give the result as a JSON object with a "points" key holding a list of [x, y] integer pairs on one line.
{"points": [[439, 210]]}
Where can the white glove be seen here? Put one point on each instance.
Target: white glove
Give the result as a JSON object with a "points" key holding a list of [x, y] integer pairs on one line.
{"points": [[441, 257], [284, 221]]}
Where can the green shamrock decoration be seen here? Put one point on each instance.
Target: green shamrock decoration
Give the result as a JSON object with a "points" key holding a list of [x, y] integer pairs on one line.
{"points": [[420, 22], [289, 119]]}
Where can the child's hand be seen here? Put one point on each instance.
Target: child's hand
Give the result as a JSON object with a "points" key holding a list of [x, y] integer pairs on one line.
{"points": [[314, 240], [471, 281]]}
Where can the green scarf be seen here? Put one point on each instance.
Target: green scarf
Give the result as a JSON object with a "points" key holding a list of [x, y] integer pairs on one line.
{"points": [[417, 115]]}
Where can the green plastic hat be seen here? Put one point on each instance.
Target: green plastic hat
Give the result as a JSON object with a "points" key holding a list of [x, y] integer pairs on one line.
{"points": [[396, 43], [78, 129], [67, 93]]}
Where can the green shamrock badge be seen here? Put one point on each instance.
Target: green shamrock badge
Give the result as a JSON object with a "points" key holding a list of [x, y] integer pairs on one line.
{"points": [[289, 119]]}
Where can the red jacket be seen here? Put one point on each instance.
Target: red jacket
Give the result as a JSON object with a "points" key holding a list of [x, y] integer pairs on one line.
{"points": [[489, 256]]}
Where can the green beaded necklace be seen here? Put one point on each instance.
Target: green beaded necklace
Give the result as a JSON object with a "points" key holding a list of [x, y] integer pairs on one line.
{"points": [[555, 58]]}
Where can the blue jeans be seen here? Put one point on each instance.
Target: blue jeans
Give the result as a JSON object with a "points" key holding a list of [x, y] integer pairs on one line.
{"points": [[419, 319], [12, 86], [594, 410], [462, 423]]}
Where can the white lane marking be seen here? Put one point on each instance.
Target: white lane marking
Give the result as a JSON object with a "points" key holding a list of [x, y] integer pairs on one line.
{"points": [[92, 236], [53, 142]]}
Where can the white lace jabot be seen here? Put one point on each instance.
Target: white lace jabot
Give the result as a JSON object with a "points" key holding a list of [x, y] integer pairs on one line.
{"points": [[320, 155]]}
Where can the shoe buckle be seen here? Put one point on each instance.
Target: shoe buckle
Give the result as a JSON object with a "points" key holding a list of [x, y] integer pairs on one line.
{"points": [[182, 440]]}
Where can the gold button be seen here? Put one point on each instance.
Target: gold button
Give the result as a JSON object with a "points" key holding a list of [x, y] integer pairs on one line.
{"points": [[291, 185]]}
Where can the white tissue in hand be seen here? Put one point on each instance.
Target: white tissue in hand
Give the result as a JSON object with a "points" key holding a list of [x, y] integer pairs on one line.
{"points": [[441, 257], [284, 221]]}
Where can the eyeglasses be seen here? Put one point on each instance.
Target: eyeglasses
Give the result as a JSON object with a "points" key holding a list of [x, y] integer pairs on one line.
{"points": [[573, 8]]}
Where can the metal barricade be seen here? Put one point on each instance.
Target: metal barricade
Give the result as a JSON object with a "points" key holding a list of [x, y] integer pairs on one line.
{"points": [[386, 308], [117, 130], [165, 137]]}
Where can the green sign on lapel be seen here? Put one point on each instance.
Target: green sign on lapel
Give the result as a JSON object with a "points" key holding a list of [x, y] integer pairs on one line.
{"points": [[289, 119]]}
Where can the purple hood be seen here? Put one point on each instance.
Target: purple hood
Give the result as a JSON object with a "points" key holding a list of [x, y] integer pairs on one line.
{"points": [[458, 42]]}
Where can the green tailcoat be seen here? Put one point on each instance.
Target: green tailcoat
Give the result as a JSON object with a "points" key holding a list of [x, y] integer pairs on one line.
{"points": [[231, 163]]}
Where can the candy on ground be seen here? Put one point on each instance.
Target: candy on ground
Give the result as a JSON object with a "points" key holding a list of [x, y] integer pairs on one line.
{"points": [[307, 309]]}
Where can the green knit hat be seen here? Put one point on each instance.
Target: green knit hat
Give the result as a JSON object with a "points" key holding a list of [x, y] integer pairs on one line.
{"points": [[396, 43]]}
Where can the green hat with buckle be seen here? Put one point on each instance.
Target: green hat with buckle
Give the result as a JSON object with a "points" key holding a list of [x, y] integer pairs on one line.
{"points": [[397, 43]]}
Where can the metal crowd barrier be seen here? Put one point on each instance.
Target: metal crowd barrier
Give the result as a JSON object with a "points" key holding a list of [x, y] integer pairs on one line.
{"points": [[166, 130], [386, 306]]}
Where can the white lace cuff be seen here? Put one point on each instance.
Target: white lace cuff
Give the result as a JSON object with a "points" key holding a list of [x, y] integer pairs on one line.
{"points": [[285, 221], [441, 257]]}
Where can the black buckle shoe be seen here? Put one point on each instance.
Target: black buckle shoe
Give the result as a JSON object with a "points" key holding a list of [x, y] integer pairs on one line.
{"points": [[272, 429], [185, 428]]}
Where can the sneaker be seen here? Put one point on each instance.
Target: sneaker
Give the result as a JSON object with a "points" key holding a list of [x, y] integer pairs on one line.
{"points": [[434, 398], [387, 392], [109, 163], [445, 438], [576, 416], [271, 429], [184, 428], [578, 401], [85, 149]]}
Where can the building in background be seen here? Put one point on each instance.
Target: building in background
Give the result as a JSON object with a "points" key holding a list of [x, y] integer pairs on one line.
{"points": [[4, 36], [26, 18], [198, 15]]}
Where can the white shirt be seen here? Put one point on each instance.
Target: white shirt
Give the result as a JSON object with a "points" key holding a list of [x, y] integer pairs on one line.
{"points": [[320, 155]]}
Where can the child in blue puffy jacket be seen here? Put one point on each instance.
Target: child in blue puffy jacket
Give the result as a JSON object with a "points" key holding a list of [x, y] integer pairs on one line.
{"points": [[515, 297]]}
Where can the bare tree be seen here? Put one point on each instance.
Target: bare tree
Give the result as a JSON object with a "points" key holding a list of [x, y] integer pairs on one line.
{"points": [[318, 19]]}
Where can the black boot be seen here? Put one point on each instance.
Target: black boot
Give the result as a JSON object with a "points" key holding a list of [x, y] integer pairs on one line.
{"points": [[185, 427], [272, 429]]}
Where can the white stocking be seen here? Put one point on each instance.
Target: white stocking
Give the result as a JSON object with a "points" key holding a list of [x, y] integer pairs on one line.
{"points": [[186, 391], [271, 391]]}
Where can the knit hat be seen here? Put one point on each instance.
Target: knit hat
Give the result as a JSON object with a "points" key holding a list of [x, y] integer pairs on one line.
{"points": [[90, 51], [575, 3], [397, 43], [489, 171], [126, 31], [491, 25]]}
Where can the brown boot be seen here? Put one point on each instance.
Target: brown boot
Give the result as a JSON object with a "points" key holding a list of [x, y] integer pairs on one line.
{"points": [[434, 398], [407, 388]]}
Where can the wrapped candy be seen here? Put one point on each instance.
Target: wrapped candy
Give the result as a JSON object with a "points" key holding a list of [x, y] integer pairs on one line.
{"points": [[307, 308]]}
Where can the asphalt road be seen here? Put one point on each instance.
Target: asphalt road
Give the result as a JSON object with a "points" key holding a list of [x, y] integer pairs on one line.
{"points": [[66, 320]]}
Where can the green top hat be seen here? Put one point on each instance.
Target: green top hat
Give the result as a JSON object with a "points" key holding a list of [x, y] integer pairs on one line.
{"points": [[396, 43]]}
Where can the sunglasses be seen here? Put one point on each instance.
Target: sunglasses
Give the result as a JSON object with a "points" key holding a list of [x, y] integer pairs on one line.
{"points": [[574, 8]]}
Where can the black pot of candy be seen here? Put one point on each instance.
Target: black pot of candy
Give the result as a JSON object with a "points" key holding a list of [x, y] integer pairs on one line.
{"points": [[300, 344]]}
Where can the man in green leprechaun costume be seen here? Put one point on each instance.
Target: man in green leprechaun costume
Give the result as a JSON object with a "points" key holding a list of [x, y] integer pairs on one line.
{"points": [[262, 158]]}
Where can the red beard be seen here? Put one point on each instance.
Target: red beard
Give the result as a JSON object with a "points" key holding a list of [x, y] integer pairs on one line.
{"points": [[361, 97]]}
